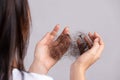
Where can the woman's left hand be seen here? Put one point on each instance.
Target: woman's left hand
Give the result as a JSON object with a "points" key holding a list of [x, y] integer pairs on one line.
{"points": [[48, 50]]}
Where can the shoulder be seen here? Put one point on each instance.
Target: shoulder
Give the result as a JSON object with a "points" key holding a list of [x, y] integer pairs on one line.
{"points": [[19, 75]]}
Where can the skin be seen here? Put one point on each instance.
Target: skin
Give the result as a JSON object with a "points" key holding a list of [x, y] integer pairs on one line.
{"points": [[83, 62], [43, 61]]}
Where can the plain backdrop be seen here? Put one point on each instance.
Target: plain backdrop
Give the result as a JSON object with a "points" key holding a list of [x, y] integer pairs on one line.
{"points": [[102, 16]]}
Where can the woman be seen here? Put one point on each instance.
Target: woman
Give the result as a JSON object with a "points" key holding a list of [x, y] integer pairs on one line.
{"points": [[14, 38]]}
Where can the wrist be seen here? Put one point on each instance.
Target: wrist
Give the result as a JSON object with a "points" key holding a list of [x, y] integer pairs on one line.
{"points": [[79, 66], [77, 72], [38, 67]]}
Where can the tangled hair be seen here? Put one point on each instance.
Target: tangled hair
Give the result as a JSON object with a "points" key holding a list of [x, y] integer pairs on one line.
{"points": [[79, 44], [75, 45], [60, 46], [14, 34]]}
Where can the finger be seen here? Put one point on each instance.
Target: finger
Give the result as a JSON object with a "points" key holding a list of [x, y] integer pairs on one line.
{"points": [[95, 47], [81, 46], [49, 36], [91, 36], [99, 52], [59, 49], [45, 38], [78, 41], [55, 30], [65, 32], [101, 40], [88, 42]]}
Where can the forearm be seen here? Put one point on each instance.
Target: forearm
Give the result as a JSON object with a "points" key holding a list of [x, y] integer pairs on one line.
{"points": [[38, 67], [77, 76], [77, 73]]}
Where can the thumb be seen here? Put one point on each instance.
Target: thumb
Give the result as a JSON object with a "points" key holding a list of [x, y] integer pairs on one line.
{"points": [[95, 47]]}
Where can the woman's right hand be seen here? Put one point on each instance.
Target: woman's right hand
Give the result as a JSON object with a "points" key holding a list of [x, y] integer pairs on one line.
{"points": [[84, 61], [49, 50]]}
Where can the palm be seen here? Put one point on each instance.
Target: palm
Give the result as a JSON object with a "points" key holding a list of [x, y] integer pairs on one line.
{"points": [[48, 50], [90, 56]]}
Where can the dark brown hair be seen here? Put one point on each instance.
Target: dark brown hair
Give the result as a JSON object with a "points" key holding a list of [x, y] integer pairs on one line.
{"points": [[14, 34], [60, 46], [79, 44], [75, 45]]}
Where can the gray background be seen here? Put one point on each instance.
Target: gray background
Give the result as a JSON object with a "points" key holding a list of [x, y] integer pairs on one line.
{"points": [[102, 16]]}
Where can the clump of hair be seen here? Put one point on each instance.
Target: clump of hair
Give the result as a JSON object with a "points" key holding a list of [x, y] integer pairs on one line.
{"points": [[75, 45], [79, 44], [60, 46]]}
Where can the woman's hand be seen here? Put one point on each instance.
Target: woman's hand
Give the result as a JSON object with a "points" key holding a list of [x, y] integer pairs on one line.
{"points": [[89, 57], [48, 50]]}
